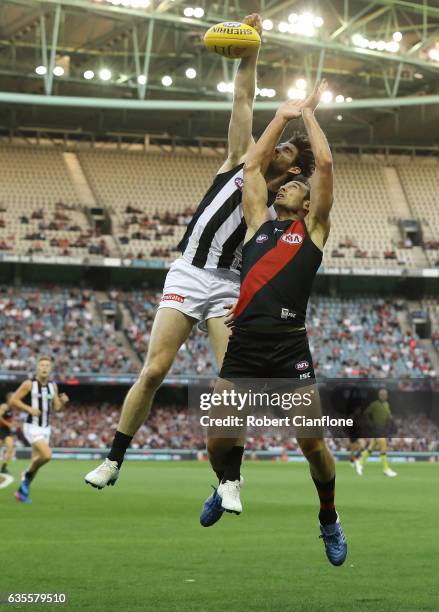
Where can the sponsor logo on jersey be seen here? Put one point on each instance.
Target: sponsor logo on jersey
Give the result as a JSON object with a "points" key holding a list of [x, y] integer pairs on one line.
{"points": [[305, 375], [231, 24], [302, 365], [292, 238], [174, 297], [277, 229], [239, 182], [261, 238], [287, 314]]}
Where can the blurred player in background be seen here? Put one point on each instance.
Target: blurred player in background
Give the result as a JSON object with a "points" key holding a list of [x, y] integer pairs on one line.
{"points": [[380, 418], [38, 397], [206, 277], [6, 433]]}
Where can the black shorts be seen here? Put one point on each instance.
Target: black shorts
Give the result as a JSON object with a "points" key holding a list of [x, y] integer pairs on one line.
{"points": [[268, 355], [4, 433]]}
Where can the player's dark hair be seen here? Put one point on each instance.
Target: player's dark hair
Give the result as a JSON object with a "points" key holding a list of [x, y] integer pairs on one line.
{"points": [[305, 157]]}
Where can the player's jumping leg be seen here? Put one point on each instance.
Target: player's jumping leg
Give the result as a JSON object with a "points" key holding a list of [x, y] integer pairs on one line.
{"points": [[170, 330], [370, 447], [41, 454], [387, 470], [322, 468], [9, 443], [355, 455]]}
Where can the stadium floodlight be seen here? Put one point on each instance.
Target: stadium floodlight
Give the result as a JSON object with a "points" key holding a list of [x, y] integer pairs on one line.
{"points": [[188, 11], [339, 99], [348, 99], [191, 73], [167, 81], [198, 12], [397, 36], [222, 87], [434, 54], [301, 83], [293, 18], [283, 27], [58, 71], [364, 43], [357, 39], [296, 94], [381, 45], [318, 22], [141, 79], [327, 96], [105, 74], [418, 75], [339, 117], [373, 44], [267, 24], [271, 93], [392, 47], [41, 70], [258, 91], [88, 75]]}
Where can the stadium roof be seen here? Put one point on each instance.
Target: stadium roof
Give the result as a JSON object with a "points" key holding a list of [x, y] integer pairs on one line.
{"points": [[384, 54]]}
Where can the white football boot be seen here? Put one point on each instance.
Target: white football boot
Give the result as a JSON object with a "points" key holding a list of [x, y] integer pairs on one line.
{"points": [[105, 474], [390, 473], [229, 493], [358, 467]]}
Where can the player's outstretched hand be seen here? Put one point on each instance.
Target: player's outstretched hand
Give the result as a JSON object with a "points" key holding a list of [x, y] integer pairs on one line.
{"points": [[312, 101], [228, 319], [255, 21], [34, 412], [291, 109], [64, 398]]}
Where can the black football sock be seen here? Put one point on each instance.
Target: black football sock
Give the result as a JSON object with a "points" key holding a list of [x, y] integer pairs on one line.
{"points": [[233, 464], [326, 493], [118, 449], [219, 475], [29, 475]]}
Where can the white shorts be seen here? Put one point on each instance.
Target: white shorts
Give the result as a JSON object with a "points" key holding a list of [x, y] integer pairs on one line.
{"points": [[34, 433], [199, 293]]}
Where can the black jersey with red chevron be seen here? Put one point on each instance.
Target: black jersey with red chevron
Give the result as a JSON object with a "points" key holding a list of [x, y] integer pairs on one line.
{"points": [[279, 264]]}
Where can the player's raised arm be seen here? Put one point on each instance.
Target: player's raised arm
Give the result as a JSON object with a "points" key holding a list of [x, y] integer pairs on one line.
{"points": [[17, 399], [322, 185], [255, 193], [241, 121]]}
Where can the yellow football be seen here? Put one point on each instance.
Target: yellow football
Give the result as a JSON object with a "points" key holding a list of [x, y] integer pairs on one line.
{"points": [[232, 39]]}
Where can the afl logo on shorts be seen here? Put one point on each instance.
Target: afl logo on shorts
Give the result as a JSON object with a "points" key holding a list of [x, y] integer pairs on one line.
{"points": [[292, 238], [174, 297], [239, 182], [302, 365], [261, 238]]}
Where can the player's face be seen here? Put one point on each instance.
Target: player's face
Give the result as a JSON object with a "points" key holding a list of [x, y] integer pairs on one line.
{"points": [[43, 368], [284, 156], [383, 395], [291, 197]]}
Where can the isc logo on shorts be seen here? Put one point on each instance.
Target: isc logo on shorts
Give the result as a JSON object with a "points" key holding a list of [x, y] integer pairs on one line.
{"points": [[302, 365], [261, 238], [174, 297], [239, 182], [292, 238]]}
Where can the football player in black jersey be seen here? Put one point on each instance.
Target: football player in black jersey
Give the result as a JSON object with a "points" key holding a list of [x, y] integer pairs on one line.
{"points": [[6, 433]]}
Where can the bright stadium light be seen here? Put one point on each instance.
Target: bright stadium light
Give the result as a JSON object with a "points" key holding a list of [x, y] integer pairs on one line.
{"points": [[198, 12], [188, 11], [339, 117], [434, 55], [283, 27], [373, 44], [88, 75], [357, 39], [222, 87], [418, 75], [58, 71], [293, 18], [301, 84], [397, 36], [141, 79], [381, 45], [327, 96], [105, 74], [41, 70], [339, 99], [191, 73], [348, 99], [392, 47], [318, 22], [271, 93], [267, 24], [296, 94], [167, 81]]}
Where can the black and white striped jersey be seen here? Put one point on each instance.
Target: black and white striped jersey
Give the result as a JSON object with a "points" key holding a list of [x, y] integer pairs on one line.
{"points": [[41, 397], [213, 238]]}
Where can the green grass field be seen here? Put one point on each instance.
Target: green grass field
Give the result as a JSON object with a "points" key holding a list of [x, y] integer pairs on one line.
{"points": [[139, 545]]}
